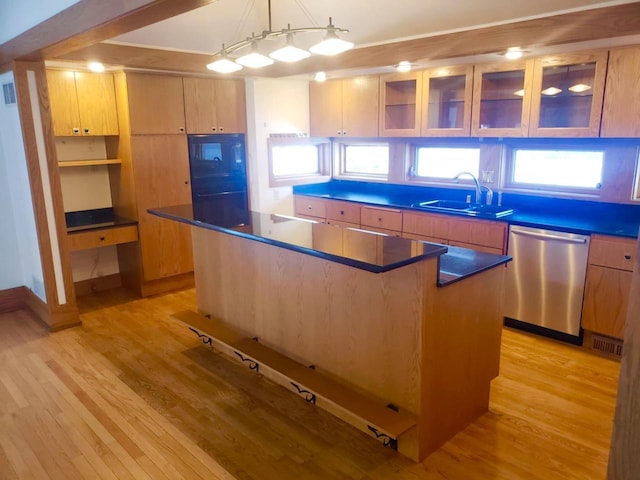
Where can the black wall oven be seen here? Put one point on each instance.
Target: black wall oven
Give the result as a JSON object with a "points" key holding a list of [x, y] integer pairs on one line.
{"points": [[219, 178]]}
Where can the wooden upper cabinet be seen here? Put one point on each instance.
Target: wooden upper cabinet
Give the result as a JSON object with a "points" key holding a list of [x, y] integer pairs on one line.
{"points": [[156, 104], [82, 104], [502, 99], [446, 101], [400, 101], [621, 110], [214, 105], [567, 95], [344, 108]]}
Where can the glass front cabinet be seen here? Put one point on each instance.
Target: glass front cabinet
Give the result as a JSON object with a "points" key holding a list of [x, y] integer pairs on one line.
{"points": [[567, 95], [446, 101], [400, 100], [502, 99]]}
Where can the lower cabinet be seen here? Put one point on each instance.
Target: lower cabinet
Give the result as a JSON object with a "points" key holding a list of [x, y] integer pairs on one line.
{"points": [[482, 235], [383, 220], [607, 285], [333, 212]]}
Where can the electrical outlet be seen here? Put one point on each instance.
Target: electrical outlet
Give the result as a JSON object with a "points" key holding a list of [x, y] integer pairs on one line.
{"points": [[487, 176]]}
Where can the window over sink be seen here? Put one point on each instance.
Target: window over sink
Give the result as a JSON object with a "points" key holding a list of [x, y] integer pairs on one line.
{"points": [[439, 163]]}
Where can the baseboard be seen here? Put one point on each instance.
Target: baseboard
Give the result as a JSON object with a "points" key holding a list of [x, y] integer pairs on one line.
{"points": [[98, 284], [164, 285], [13, 299]]}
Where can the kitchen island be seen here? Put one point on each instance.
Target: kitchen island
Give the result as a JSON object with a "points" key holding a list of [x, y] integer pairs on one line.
{"points": [[377, 315]]}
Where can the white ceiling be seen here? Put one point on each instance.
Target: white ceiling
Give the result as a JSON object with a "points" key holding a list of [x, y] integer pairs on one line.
{"points": [[369, 22]]}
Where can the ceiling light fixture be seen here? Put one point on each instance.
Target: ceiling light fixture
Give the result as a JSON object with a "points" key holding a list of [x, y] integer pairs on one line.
{"points": [[404, 66], [513, 53], [320, 77], [96, 67], [329, 45]]}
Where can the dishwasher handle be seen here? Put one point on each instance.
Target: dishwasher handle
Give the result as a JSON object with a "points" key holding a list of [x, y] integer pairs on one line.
{"points": [[546, 236]]}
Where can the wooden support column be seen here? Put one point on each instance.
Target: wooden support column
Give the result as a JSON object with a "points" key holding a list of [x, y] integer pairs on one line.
{"points": [[60, 310], [624, 461]]}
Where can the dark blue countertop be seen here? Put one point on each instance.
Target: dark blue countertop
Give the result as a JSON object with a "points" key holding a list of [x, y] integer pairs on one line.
{"points": [[575, 216], [381, 253]]}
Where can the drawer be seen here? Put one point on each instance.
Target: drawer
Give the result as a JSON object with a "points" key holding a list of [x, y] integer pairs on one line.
{"points": [[385, 218], [343, 211], [479, 232], [310, 207], [426, 224], [102, 237], [613, 252]]}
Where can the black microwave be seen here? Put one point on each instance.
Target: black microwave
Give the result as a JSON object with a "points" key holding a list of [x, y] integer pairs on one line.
{"points": [[217, 156]]}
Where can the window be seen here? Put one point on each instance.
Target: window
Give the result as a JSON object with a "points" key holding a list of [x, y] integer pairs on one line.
{"points": [[558, 169], [362, 160], [445, 162], [294, 161]]}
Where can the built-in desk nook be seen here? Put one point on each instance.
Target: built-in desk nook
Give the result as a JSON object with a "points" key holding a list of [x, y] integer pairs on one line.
{"points": [[398, 337]]}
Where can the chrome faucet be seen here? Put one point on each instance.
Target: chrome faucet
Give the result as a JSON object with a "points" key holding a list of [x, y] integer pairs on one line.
{"points": [[475, 180], [478, 188]]}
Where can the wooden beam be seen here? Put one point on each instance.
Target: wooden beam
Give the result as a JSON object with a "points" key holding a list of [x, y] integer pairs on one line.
{"points": [[624, 461], [88, 22], [59, 312], [595, 24]]}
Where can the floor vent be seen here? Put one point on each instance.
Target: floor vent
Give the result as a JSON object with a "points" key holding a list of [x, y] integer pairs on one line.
{"points": [[607, 345]]}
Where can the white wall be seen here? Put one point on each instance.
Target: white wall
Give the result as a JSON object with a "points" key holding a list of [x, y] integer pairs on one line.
{"points": [[19, 249], [17, 16], [273, 106]]}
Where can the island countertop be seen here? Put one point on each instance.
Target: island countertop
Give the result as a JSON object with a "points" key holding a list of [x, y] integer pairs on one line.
{"points": [[370, 251]]}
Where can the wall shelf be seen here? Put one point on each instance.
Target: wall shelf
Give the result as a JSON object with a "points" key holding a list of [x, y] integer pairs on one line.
{"points": [[88, 163]]}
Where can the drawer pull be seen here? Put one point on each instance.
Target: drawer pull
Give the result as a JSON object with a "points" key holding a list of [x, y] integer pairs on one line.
{"points": [[627, 257], [309, 207], [341, 212], [102, 239], [379, 219]]}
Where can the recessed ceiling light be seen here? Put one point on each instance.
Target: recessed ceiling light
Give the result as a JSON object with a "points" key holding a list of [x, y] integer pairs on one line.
{"points": [[96, 67], [320, 77], [404, 66], [513, 53]]}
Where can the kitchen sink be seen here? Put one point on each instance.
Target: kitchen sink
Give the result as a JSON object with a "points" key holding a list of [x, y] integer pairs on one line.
{"points": [[470, 209]]}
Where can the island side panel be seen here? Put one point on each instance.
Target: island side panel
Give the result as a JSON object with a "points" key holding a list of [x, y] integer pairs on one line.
{"points": [[362, 328], [461, 339]]}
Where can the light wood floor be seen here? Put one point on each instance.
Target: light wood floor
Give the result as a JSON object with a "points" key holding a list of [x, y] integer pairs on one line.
{"points": [[131, 395]]}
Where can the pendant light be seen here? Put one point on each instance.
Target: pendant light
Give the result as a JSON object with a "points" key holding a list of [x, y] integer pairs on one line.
{"points": [[289, 53], [254, 59], [331, 44]]}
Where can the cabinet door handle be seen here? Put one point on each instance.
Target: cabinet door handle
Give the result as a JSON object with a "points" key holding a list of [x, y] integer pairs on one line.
{"points": [[341, 212], [221, 129], [627, 257], [339, 133], [75, 131], [309, 207], [86, 130], [344, 133], [102, 239], [186, 182], [181, 129], [214, 129]]}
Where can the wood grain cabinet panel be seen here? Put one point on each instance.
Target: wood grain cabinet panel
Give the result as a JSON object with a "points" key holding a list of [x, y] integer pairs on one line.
{"points": [[606, 298], [82, 104], [612, 252], [161, 177], [102, 237], [502, 99], [345, 212], [156, 104], [607, 286], [214, 105], [567, 95], [400, 104], [310, 207], [446, 101], [344, 108], [385, 220], [621, 109]]}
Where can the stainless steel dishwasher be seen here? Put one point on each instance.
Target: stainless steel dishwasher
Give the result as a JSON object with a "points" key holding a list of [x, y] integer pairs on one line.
{"points": [[545, 281]]}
